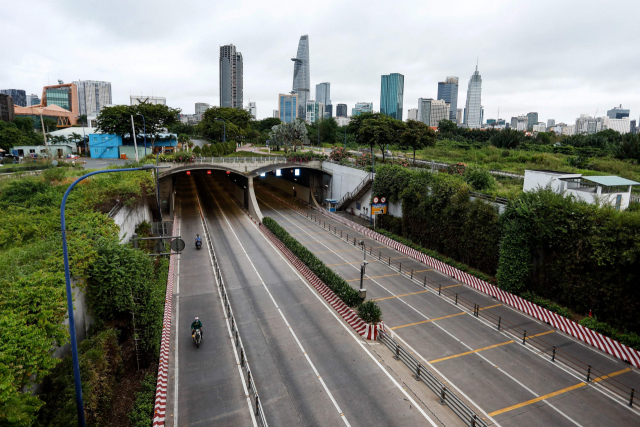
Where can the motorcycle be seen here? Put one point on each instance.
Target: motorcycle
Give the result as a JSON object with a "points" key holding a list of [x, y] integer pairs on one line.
{"points": [[197, 337], [198, 244]]}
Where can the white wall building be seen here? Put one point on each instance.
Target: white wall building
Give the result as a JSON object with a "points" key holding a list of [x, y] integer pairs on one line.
{"points": [[155, 100], [315, 110], [539, 127], [251, 107], [459, 116], [201, 107], [412, 114], [522, 123], [620, 125], [606, 190], [343, 121], [432, 111], [276, 114], [569, 130]]}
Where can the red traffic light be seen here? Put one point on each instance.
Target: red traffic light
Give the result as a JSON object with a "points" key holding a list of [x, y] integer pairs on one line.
{"points": [[208, 172], [188, 172], [228, 172]]}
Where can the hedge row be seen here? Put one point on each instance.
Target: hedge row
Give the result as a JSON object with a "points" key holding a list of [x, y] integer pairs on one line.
{"points": [[142, 413], [369, 311]]}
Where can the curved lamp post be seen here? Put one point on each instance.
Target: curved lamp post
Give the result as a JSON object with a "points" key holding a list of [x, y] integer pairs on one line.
{"points": [[224, 129], [144, 129], [67, 278]]}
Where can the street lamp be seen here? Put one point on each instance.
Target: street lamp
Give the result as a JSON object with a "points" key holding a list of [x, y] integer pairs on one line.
{"points": [[67, 277], [224, 129], [363, 292], [144, 129]]}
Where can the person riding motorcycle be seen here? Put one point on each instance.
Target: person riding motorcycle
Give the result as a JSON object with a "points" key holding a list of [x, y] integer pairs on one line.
{"points": [[198, 240], [196, 324]]}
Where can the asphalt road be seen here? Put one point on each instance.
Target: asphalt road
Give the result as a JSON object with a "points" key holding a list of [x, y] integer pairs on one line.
{"points": [[513, 384]]}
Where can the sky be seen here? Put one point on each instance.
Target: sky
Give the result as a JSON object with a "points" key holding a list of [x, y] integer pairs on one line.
{"points": [[560, 58]]}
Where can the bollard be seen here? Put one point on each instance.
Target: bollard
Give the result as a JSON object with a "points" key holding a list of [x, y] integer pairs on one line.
{"points": [[370, 250], [237, 338], [439, 289], [257, 406], [233, 324], [425, 282], [379, 255], [242, 357], [456, 298], [631, 398], [443, 395], [400, 267], [589, 373], [397, 357], [474, 420], [412, 274], [347, 237], [249, 378], [500, 321], [354, 241], [524, 336], [341, 234]]}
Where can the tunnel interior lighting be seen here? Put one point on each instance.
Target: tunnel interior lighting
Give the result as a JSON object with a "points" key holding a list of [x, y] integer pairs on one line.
{"points": [[297, 172], [263, 174], [278, 172]]}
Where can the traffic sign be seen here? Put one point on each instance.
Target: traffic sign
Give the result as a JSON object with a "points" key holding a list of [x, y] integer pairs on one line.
{"points": [[177, 245], [383, 200], [376, 200]]}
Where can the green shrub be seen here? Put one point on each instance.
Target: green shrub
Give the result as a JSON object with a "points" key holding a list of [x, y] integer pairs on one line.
{"points": [[629, 339], [141, 414], [197, 150], [548, 304], [370, 312], [479, 179]]}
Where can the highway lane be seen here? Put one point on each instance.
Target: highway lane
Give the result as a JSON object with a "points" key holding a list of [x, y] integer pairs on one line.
{"points": [[209, 387], [473, 355], [309, 366]]}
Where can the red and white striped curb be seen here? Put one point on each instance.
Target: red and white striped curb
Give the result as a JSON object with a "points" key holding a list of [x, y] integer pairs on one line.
{"points": [[160, 405], [364, 329], [568, 326]]}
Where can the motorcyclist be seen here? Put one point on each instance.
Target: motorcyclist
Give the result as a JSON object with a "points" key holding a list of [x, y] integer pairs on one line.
{"points": [[196, 324], [198, 240]]}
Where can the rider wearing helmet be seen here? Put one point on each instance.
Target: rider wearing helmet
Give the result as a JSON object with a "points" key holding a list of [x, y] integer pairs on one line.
{"points": [[197, 324], [198, 239]]}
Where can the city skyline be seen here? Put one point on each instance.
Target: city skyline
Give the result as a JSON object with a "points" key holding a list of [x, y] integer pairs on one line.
{"points": [[561, 84]]}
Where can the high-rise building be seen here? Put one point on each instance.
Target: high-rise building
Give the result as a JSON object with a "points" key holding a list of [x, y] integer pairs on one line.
{"points": [[341, 110], [7, 111], [62, 95], [231, 80], [32, 100], [632, 126], [532, 119], [473, 113], [315, 111], [328, 111], [19, 96], [276, 114], [412, 114], [201, 107], [448, 91], [618, 113], [251, 107], [432, 111], [551, 123], [323, 93], [491, 122], [92, 96], [302, 75], [145, 99], [539, 127], [391, 95], [289, 107], [589, 125], [362, 107], [459, 116], [622, 125]]}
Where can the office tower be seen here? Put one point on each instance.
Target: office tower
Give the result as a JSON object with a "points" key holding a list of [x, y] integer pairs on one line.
{"points": [[314, 111], [328, 111], [19, 96], [632, 126], [532, 119], [362, 107], [448, 91], [391, 95], [589, 125], [618, 113], [302, 76], [539, 127], [551, 123], [289, 107], [251, 108], [412, 114], [514, 122], [481, 114], [323, 93], [341, 110], [7, 112], [473, 113], [92, 96], [622, 125], [201, 107], [231, 72], [491, 122], [432, 111], [276, 114], [62, 95], [522, 123], [32, 100], [459, 116], [146, 99]]}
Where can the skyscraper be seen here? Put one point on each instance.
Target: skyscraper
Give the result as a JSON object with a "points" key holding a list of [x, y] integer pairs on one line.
{"points": [[201, 107], [301, 76], [289, 107], [230, 77], [323, 93], [362, 107], [459, 116], [253, 109], [391, 95], [472, 117], [32, 100], [551, 123], [341, 110], [431, 111], [19, 96], [92, 96], [618, 113], [314, 111], [448, 91], [532, 119], [412, 114]]}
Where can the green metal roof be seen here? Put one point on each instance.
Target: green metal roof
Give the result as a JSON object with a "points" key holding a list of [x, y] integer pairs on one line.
{"points": [[610, 180]]}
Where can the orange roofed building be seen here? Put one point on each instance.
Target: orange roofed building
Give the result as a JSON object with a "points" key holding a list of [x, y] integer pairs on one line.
{"points": [[59, 103]]}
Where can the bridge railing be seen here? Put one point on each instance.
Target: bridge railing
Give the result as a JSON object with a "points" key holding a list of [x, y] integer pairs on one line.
{"points": [[265, 160]]}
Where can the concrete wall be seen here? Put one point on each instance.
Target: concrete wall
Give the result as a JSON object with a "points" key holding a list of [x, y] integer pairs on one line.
{"points": [[345, 179], [128, 219], [301, 192]]}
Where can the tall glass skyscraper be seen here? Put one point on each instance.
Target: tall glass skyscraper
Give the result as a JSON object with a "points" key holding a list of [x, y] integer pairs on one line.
{"points": [[230, 77], [391, 95], [341, 110], [323, 95], [301, 75], [448, 92], [92, 96], [19, 96], [473, 113]]}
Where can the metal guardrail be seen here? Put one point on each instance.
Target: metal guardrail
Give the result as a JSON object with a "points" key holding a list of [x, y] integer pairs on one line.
{"points": [[244, 362], [447, 397], [367, 180], [496, 199], [266, 160]]}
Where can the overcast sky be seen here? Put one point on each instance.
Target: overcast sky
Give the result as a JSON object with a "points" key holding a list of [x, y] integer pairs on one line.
{"points": [[560, 58]]}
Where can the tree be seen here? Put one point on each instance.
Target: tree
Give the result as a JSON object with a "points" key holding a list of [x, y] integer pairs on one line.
{"points": [[289, 134], [417, 136], [197, 150], [184, 140], [379, 131], [236, 122], [265, 124], [10, 137], [447, 127], [50, 125], [328, 130]]}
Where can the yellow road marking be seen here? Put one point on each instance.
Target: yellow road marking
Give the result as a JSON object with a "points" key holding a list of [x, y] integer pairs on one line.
{"points": [[452, 286], [422, 271], [491, 306], [555, 393], [399, 296], [430, 320], [373, 277], [341, 250], [538, 335], [400, 257], [470, 352]]}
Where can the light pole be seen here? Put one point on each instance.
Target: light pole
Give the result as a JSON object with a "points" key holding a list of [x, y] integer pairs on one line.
{"points": [[363, 292], [84, 138], [67, 277], [144, 129], [345, 137], [224, 129]]}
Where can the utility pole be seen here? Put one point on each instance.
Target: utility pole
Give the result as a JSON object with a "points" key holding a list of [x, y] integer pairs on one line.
{"points": [[133, 132]]}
